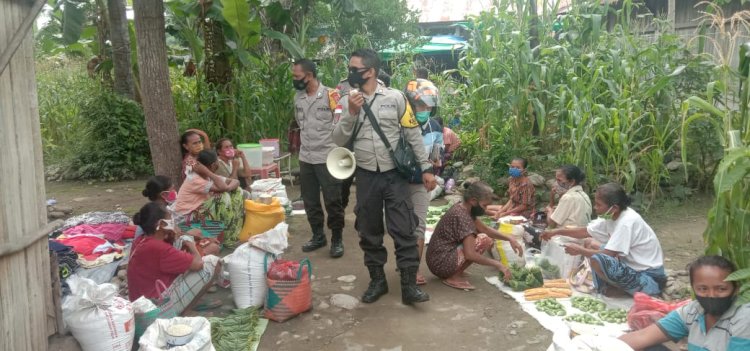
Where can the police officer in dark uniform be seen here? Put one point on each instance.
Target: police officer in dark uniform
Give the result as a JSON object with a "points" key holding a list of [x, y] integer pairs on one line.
{"points": [[380, 187], [314, 106]]}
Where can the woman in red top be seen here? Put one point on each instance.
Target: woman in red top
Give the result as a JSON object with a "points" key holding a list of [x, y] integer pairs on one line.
{"points": [[155, 265]]}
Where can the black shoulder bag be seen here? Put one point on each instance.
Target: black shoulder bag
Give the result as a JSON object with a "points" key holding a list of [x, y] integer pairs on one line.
{"points": [[403, 155]]}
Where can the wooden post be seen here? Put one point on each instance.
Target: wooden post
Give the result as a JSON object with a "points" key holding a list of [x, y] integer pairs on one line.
{"points": [[671, 8], [25, 284]]}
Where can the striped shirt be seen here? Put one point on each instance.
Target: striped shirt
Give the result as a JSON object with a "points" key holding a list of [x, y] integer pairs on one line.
{"points": [[730, 333]]}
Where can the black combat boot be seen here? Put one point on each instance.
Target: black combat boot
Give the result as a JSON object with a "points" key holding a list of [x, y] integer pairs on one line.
{"points": [[410, 292], [337, 244], [378, 285], [318, 240]]}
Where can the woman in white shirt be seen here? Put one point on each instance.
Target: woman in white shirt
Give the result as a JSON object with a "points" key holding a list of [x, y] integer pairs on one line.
{"points": [[574, 208], [625, 253]]}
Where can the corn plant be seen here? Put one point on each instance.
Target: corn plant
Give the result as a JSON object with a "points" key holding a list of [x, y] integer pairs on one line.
{"points": [[728, 232], [725, 105], [607, 100]]}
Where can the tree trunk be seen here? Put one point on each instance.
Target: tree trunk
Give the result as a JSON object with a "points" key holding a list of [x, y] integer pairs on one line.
{"points": [[118, 33], [102, 28], [218, 69], [158, 107]]}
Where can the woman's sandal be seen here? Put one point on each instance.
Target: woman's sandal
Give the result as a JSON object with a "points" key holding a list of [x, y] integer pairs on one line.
{"points": [[465, 287], [421, 279]]}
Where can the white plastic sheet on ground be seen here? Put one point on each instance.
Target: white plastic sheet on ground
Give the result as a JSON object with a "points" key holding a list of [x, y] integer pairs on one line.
{"points": [[561, 340]]}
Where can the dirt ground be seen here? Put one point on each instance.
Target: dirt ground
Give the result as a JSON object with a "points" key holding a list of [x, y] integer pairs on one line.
{"points": [[453, 320]]}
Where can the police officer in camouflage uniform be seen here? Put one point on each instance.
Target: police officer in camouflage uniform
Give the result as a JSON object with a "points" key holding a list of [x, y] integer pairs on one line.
{"points": [[380, 187], [314, 106]]}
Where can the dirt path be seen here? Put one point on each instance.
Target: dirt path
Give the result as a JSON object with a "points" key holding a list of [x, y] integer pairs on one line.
{"points": [[479, 320]]}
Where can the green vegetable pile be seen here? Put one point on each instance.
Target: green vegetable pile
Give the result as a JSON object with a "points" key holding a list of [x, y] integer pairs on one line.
{"points": [[236, 331], [524, 278], [550, 307], [587, 304], [549, 270], [617, 315], [434, 213], [584, 318]]}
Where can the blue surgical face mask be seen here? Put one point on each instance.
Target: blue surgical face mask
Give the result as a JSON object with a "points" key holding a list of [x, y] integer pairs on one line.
{"points": [[515, 172], [422, 116]]}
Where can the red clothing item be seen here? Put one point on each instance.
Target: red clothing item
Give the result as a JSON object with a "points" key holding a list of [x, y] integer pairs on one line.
{"points": [[152, 260], [451, 140]]}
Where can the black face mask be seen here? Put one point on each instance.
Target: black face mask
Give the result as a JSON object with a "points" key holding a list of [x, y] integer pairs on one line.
{"points": [[715, 306], [355, 79], [477, 211], [299, 84]]}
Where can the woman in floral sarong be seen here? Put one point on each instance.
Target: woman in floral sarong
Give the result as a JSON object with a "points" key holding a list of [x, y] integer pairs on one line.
{"points": [[211, 196]]}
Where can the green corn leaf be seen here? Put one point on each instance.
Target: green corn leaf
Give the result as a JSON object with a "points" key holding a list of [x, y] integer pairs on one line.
{"points": [[739, 275], [733, 169]]}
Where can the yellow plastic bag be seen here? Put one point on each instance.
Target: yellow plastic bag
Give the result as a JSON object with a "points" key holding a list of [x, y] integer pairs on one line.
{"points": [[260, 218]]}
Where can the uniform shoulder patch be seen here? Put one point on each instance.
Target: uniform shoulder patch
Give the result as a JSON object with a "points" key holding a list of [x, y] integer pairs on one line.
{"points": [[333, 98], [408, 120]]}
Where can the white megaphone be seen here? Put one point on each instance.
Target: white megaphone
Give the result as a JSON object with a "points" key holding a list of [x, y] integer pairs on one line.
{"points": [[341, 163]]}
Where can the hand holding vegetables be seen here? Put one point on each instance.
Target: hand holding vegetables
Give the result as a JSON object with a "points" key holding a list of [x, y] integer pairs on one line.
{"points": [[547, 234], [516, 246], [574, 249], [507, 275]]}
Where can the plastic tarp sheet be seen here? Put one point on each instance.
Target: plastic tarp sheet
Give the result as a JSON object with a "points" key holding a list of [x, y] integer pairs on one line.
{"points": [[560, 328]]}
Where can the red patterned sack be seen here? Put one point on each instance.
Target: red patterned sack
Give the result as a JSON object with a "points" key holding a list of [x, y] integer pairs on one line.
{"points": [[289, 289]]}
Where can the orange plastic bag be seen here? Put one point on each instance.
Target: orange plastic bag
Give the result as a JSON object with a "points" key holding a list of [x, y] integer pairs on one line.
{"points": [[289, 289], [260, 218]]}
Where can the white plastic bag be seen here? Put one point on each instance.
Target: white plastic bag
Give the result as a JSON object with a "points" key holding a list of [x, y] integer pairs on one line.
{"points": [[143, 305], [98, 318], [270, 186], [247, 275], [561, 341], [155, 337], [554, 251], [438, 188], [273, 241]]}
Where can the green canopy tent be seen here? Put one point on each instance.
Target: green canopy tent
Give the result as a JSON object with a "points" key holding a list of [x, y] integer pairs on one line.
{"points": [[442, 51]]}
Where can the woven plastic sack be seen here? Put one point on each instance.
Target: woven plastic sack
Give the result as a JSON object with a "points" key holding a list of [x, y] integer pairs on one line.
{"points": [[145, 312], [260, 218], [247, 273], [98, 318], [268, 186], [289, 289]]}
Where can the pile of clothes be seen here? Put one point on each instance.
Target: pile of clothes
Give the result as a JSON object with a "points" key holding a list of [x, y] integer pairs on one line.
{"points": [[90, 241]]}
